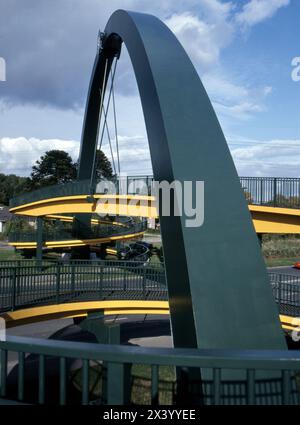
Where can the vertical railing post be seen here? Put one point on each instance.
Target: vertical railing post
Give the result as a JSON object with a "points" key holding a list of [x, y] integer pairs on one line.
{"points": [[39, 241], [21, 364], [101, 282], [41, 372], [118, 383], [3, 372], [57, 283], [216, 386], [85, 382], [275, 192], [72, 278], [144, 283], [250, 386], [13, 288], [154, 385], [62, 380], [124, 278], [286, 387], [279, 293]]}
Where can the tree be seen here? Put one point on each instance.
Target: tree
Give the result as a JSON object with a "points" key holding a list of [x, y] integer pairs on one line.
{"points": [[284, 201], [12, 185], [54, 167], [103, 166]]}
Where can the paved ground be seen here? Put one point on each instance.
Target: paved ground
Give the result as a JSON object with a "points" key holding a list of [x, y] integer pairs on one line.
{"points": [[5, 245], [152, 238], [285, 270], [142, 330]]}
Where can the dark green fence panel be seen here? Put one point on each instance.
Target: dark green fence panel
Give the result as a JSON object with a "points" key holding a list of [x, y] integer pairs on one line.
{"points": [[26, 283], [270, 191], [119, 381]]}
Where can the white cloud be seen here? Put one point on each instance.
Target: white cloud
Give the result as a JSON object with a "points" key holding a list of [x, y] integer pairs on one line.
{"points": [[133, 152], [251, 157], [204, 38], [204, 27], [234, 100], [267, 158], [17, 155], [204, 34], [256, 11], [241, 111]]}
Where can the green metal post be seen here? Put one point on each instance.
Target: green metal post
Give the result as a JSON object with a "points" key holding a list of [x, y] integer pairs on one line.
{"points": [[41, 379], [39, 240], [85, 382], [3, 372], [144, 283], [62, 381], [118, 388], [21, 376], [101, 283], [13, 288], [72, 277], [57, 283], [275, 192], [154, 385]]}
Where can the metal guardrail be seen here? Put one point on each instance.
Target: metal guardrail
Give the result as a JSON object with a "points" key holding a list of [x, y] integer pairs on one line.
{"points": [[60, 233], [25, 283], [286, 291], [281, 192], [29, 283], [119, 360], [269, 191], [47, 283]]}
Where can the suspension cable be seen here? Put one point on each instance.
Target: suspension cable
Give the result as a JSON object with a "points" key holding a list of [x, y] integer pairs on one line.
{"points": [[108, 102], [98, 127], [116, 130], [105, 113], [109, 141]]}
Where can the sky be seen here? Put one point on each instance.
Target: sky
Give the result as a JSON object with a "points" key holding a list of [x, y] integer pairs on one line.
{"points": [[243, 51]]}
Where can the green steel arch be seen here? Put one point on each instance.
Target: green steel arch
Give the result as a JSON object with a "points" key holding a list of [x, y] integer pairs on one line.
{"points": [[218, 289]]}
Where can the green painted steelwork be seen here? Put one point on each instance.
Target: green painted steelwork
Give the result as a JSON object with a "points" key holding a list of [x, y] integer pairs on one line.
{"points": [[187, 144], [39, 238], [215, 273], [249, 390]]}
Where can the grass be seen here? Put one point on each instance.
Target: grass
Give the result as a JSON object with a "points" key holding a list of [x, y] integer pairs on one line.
{"points": [[277, 261], [281, 250], [282, 246], [141, 383], [140, 376], [9, 254], [152, 232]]}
